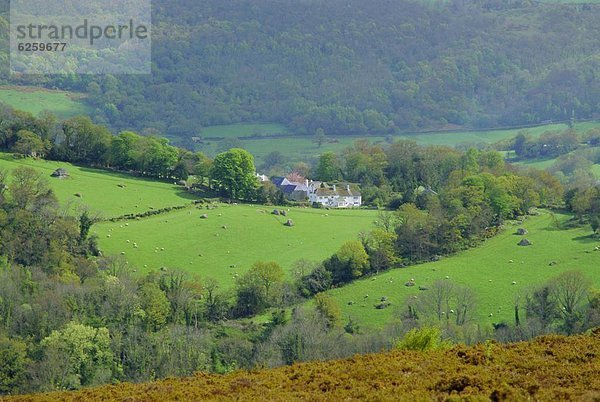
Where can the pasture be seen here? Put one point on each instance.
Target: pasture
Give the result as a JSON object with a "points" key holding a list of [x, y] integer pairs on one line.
{"points": [[231, 239], [302, 148], [243, 130], [486, 269], [104, 193], [35, 100]]}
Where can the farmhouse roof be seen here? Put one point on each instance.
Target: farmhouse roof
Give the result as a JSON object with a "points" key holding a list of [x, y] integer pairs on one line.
{"points": [[342, 192], [290, 188], [280, 181]]}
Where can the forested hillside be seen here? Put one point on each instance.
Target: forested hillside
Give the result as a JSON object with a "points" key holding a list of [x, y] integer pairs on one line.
{"points": [[354, 66]]}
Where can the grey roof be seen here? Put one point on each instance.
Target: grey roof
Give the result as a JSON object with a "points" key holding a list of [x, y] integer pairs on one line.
{"points": [[290, 188], [280, 181]]}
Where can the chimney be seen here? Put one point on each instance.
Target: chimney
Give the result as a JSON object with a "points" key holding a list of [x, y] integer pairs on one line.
{"points": [[334, 188], [348, 187], [306, 182]]}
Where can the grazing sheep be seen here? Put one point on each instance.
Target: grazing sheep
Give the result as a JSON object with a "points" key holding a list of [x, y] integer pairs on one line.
{"points": [[447, 277], [514, 282]]}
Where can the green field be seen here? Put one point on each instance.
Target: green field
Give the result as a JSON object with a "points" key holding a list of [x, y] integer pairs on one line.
{"points": [[485, 269], [204, 247], [35, 100], [300, 148], [243, 130], [99, 189]]}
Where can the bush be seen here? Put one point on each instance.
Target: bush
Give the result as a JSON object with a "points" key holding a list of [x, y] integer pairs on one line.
{"points": [[421, 339]]}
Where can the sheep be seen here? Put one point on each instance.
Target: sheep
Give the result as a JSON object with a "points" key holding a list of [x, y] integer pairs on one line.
{"points": [[162, 249], [447, 277], [107, 235], [514, 282]]}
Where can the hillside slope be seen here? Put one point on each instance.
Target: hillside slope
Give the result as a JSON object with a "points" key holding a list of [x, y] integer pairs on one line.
{"points": [[549, 368]]}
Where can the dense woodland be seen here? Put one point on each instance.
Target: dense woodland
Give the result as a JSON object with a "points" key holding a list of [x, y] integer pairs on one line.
{"points": [[353, 67]]}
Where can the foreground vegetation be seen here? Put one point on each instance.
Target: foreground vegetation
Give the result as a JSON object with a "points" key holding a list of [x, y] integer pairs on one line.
{"points": [[548, 368]]}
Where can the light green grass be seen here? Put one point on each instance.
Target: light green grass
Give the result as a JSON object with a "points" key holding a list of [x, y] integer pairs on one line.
{"points": [[99, 188], [572, 250], [35, 100], [538, 163], [300, 148], [243, 130], [252, 234]]}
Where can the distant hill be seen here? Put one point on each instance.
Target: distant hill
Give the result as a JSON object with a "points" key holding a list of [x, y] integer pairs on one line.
{"points": [[548, 368], [350, 66]]}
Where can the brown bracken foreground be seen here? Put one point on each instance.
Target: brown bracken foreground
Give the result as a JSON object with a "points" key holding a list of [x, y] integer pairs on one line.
{"points": [[550, 368]]}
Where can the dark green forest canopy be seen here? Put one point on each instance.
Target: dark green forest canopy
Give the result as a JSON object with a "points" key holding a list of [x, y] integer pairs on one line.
{"points": [[355, 67]]}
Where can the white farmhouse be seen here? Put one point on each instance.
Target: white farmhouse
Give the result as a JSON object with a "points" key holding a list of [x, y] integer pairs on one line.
{"points": [[335, 197]]}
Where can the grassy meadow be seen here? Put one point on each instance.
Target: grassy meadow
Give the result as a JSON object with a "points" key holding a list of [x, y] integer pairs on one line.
{"points": [[300, 148], [486, 269], [243, 130], [99, 189], [231, 239], [35, 100]]}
